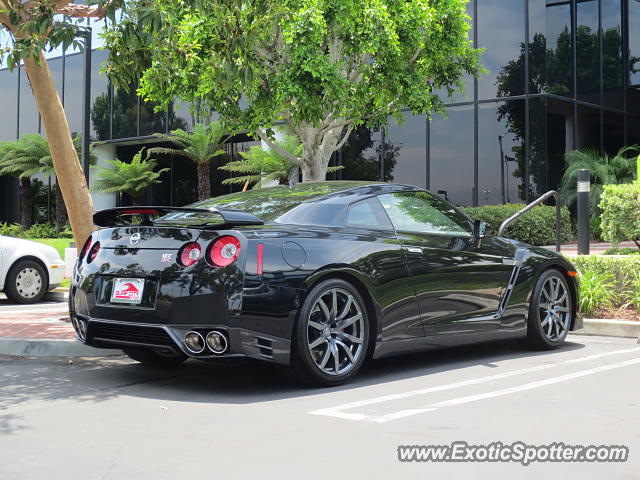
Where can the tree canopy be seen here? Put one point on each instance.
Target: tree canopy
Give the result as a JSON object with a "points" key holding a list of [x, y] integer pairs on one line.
{"points": [[323, 67]]}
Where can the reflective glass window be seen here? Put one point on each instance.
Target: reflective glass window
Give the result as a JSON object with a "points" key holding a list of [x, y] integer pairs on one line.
{"points": [[612, 73], [500, 27], [559, 49], [451, 155], [588, 52], [29, 117], [634, 42], [501, 153], [100, 98], [406, 150], [9, 102], [73, 90], [360, 156]]}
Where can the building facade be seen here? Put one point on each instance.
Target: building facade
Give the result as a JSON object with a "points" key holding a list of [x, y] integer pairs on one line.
{"points": [[562, 75]]}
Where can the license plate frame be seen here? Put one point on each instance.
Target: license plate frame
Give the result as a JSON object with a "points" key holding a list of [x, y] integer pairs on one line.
{"points": [[127, 291]]}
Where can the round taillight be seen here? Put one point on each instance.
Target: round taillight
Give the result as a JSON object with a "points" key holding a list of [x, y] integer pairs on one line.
{"points": [[190, 254], [93, 252], [224, 251], [85, 247]]}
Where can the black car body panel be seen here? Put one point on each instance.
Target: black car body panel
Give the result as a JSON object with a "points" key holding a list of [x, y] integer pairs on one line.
{"points": [[424, 291]]}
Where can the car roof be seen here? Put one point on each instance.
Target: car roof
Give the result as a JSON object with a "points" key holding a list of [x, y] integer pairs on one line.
{"points": [[270, 203]]}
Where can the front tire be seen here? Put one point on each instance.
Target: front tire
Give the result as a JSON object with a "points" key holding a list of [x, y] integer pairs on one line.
{"points": [[331, 335], [26, 282], [550, 311], [152, 358]]}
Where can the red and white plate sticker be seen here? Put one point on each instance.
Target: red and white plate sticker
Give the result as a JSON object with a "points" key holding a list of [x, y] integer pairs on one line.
{"points": [[127, 290]]}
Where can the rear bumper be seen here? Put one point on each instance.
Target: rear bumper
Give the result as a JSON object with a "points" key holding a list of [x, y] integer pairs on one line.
{"points": [[104, 333]]}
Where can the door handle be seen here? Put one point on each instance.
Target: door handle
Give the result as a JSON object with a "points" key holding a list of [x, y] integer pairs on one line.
{"points": [[414, 249]]}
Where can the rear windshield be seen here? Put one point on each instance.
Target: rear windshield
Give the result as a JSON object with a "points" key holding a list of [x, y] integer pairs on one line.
{"points": [[273, 202]]}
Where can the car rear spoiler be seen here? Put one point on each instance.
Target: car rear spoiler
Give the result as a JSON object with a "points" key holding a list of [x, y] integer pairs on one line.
{"points": [[178, 216]]}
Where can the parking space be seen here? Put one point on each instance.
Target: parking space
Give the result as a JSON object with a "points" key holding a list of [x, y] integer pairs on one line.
{"points": [[110, 418]]}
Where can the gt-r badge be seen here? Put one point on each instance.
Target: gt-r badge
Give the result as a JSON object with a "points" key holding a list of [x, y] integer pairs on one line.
{"points": [[166, 258], [135, 238]]}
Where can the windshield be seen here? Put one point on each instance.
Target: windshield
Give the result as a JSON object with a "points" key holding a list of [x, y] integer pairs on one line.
{"points": [[272, 202]]}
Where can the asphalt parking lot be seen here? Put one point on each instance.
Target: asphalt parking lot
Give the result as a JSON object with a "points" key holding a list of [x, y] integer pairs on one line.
{"points": [[109, 418]]}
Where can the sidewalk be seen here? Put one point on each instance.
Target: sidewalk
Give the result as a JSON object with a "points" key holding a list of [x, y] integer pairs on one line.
{"points": [[594, 249], [42, 331]]}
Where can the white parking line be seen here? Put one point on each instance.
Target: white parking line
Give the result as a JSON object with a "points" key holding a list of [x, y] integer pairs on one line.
{"points": [[339, 411], [504, 391]]}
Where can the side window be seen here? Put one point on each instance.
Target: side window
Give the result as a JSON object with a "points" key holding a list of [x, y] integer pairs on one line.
{"points": [[365, 214], [421, 212]]}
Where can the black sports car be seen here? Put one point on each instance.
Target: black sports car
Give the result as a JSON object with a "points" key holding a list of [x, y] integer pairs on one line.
{"points": [[316, 277]]}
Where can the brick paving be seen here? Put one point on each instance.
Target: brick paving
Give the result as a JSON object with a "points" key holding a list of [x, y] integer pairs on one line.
{"points": [[47, 324]]}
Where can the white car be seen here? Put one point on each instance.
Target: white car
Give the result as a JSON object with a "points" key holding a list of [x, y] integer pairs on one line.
{"points": [[28, 269]]}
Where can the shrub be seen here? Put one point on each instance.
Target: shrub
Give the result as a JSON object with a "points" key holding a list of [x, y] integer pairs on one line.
{"points": [[597, 290], [10, 229], [536, 227], [608, 281], [620, 205], [40, 230], [621, 251]]}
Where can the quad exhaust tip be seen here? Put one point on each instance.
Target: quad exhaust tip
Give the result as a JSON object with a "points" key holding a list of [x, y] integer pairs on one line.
{"points": [[194, 342], [217, 342], [80, 326]]}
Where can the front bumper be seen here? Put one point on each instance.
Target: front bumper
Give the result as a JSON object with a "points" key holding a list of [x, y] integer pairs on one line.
{"points": [[104, 333], [56, 274]]}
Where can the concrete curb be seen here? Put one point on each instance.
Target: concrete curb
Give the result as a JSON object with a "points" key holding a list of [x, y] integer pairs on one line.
{"points": [[56, 296], [28, 347], [610, 328]]}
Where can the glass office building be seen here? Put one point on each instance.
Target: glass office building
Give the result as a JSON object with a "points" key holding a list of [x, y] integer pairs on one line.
{"points": [[562, 75]]}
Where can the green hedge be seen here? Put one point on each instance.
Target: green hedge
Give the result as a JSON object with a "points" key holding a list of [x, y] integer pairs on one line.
{"points": [[620, 219], [39, 230], [536, 227], [608, 281]]}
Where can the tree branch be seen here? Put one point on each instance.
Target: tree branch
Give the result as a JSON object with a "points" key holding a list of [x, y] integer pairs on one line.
{"points": [[83, 11], [345, 138], [274, 146]]}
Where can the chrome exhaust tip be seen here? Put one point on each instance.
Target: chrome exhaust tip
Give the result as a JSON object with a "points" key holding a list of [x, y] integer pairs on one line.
{"points": [[217, 342], [80, 326], [194, 342]]}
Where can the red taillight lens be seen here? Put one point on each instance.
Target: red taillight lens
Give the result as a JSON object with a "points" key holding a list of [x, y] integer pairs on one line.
{"points": [[260, 258], [93, 252], [224, 251], [85, 247], [190, 254]]}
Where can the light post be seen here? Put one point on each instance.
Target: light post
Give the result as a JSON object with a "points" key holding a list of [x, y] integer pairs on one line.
{"points": [[583, 189]]}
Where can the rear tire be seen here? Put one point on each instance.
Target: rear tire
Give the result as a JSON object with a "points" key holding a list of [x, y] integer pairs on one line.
{"points": [[551, 311], [331, 336], [26, 282], [152, 358]]}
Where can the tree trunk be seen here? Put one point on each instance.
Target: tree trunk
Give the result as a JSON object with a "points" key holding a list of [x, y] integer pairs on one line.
{"points": [[65, 160], [318, 148], [26, 203], [136, 201], [61, 210], [313, 169], [204, 185]]}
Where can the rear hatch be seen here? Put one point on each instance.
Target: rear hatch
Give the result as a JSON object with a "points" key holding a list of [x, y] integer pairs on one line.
{"points": [[138, 274]]}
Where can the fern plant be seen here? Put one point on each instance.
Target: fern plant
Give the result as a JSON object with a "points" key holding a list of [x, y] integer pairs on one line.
{"points": [[30, 156], [201, 146], [260, 167], [130, 178]]}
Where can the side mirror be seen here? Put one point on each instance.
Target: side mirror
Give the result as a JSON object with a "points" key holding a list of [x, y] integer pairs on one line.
{"points": [[479, 229]]}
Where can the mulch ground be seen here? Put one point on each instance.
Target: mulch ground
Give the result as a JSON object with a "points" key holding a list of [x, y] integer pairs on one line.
{"points": [[617, 313]]}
